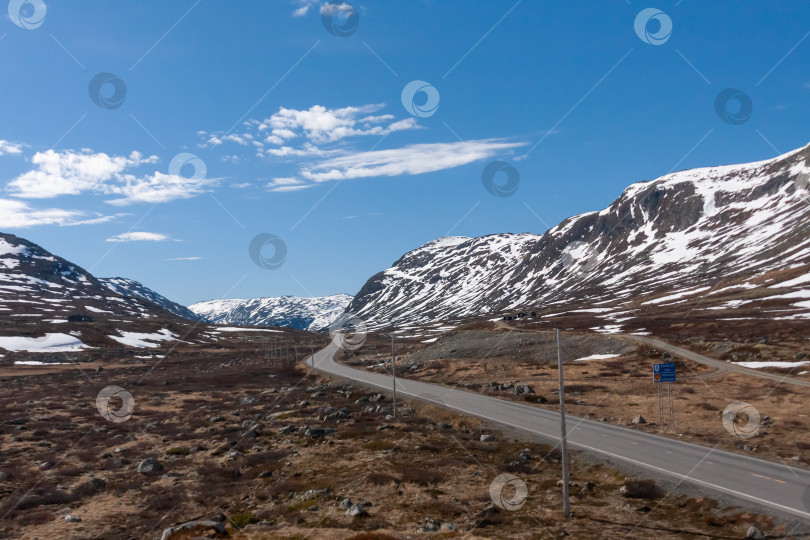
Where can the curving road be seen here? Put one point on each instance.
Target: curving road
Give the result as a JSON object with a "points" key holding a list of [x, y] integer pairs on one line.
{"points": [[772, 485]]}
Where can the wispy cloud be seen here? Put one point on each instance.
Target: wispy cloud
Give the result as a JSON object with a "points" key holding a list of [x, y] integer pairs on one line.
{"points": [[409, 160], [185, 259], [72, 173], [138, 237], [287, 184], [19, 215]]}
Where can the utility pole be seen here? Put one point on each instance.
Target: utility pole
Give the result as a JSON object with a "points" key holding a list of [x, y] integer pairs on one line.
{"points": [[394, 373], [563, 438]]}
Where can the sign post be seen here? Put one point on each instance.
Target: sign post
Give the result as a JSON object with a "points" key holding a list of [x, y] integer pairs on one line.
{"points": [[665, 373]]}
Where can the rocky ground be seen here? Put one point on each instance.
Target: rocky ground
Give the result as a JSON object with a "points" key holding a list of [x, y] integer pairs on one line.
{"points": [[522, 366], [237, 444]]}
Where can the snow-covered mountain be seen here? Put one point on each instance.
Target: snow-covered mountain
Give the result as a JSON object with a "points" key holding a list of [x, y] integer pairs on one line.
{"points": [[40, 287], [129, 287], [706, 233], [293, 311]]}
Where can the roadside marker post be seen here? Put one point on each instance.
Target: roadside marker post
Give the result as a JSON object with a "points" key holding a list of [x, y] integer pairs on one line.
{"points": [[665, 373], [394, 375], [563, 437]]}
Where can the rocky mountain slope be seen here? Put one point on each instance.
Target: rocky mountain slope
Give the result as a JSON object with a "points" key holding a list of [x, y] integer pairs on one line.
{"points": [[38, 286], [292, 311], [129, 287], [732, 237]]}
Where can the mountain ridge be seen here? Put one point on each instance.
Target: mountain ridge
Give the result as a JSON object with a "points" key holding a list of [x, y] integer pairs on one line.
{"points": [[672, 234], [302, 313]]}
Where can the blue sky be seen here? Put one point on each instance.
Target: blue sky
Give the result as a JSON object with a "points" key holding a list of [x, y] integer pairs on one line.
{"points": [[303, 133]]}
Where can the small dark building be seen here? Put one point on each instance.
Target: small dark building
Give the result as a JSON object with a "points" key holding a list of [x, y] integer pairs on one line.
{"points": [[80, 318], [534, 314]]}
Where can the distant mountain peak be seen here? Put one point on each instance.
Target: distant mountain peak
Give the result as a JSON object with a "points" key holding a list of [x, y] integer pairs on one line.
{"points": [[295, 312]]}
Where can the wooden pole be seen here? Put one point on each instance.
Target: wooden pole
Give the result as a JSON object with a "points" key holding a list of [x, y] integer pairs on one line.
{"points": [[563, 438]]}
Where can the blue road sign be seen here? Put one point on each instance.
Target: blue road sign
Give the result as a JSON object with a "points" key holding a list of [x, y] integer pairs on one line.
{"points": [[664, 372]]}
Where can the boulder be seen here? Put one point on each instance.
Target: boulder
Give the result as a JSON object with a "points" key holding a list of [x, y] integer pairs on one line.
{"points": [[754, 534], [356, 511], [198, 528], [149, 466], [639, 420], [641, 489]]}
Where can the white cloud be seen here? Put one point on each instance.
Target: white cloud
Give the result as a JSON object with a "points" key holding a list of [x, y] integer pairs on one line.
{"points": [[413, 159], [8, 147], [241, 185], [156, 188], [304, 7], [19, 215], [287, 184], [288, 151], [138, 237], [72, 173], [313, 127], [321, 125], [185, 259]]}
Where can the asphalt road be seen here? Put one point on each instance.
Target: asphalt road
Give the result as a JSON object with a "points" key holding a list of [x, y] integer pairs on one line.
{"points": [[772, 485]]}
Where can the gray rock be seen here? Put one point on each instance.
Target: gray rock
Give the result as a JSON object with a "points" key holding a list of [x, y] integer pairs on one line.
{"points": [[639, 420], [487, 438], [345, 503], [72, 518], [523, 389], [287, 430], [449, 527], [168, 533], [312, 493], [149, 466], [754, 534], [356, 511]]}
